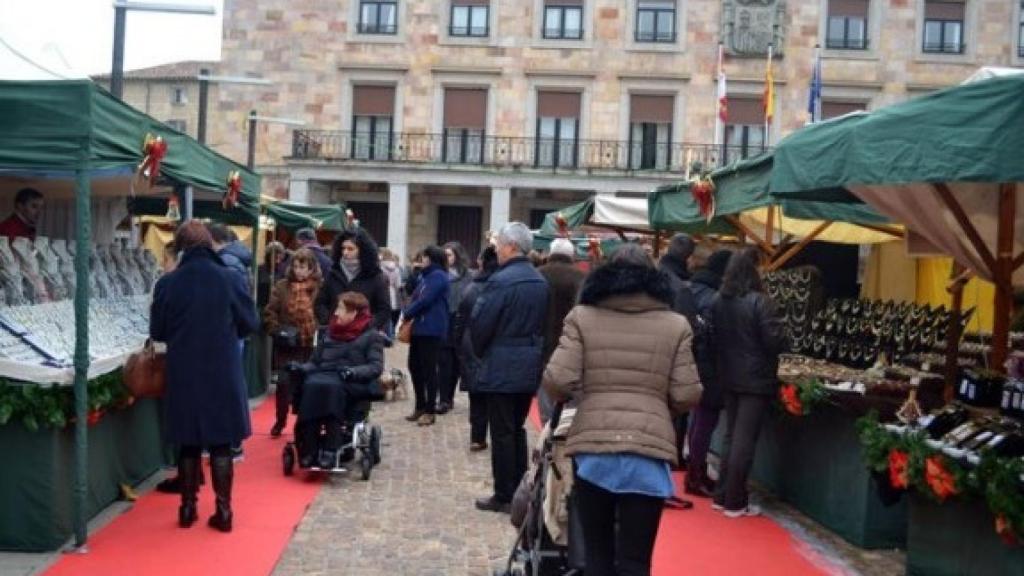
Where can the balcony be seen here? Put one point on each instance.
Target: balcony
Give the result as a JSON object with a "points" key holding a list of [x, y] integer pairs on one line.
{"points": [[500, 152]]}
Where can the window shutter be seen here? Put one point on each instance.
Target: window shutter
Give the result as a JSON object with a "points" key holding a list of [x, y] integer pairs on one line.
{"points": [[563, 2], [471, 2], [558, 104], [944, 10], [465, 108], [746, 111], [848, 8], [373, 100], [647, 108], [836, 109]]}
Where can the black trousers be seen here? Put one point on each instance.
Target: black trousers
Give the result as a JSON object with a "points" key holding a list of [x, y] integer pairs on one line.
{"points": [[449, 371], [506, 415], [477, 417], [424, 352], [307, 436], [618, 530], [744, 413]]}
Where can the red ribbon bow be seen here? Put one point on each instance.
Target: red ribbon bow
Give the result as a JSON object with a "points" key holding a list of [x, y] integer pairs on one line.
{"points": [[594, 249], [154, 149], [791, 400], [563, 224], [899, 465], [940, 480], [234, 190], [703, 191]]}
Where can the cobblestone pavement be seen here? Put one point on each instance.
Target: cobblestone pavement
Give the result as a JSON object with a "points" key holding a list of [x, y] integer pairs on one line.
{"points": [[415, 517]]}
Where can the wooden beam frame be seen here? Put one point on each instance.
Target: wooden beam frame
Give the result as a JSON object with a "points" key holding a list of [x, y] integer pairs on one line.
{"points": [[1002, 274], [965, 222], [765, 247], [777, 263], [894, 232]]}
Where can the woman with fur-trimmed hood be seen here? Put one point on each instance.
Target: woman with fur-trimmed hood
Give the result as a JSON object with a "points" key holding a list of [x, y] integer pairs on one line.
{"points": [[355, 268], [627, 358]]}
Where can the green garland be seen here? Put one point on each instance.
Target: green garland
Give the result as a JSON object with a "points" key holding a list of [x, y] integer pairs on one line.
{"points": [[800, 398], [53, 407], [911, 463]]}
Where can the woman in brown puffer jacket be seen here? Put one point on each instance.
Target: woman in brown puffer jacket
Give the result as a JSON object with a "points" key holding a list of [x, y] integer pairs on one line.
{"points": [[627, 358], [292, 305]]}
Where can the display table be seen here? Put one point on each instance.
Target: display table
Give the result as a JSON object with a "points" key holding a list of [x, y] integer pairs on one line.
{"points": [[36, 500], [814, 463], [957, 537]]}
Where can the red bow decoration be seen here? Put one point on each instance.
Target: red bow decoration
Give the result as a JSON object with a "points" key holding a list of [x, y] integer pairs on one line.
{"points": [[594, 249], [234, 190], [563, 225], [940, 480], [791, 400], [1004, 528], [703, 191], [153, 149], [350, 216], [899, 466]]}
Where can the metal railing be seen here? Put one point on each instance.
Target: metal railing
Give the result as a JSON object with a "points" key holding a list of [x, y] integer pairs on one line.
{"points": [[510, 152], [943, 47]]}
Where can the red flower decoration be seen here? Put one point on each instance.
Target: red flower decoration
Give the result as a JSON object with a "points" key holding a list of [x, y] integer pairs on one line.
{"points": [[154, 149], [563, 224], [594, 249], [703, 191], [1004, 528], [790, 398], [899, 464], [234, 190], [940, 480], [94, 417]]}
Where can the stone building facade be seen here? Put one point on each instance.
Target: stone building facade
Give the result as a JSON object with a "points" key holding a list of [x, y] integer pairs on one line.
{"points": [[440, 119]]}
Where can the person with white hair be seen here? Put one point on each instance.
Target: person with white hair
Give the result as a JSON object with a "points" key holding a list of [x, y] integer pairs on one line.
{"points": [[564, 281], [507, 333]]}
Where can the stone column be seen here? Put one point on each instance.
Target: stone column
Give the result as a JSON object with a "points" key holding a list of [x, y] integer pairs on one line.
{"points": [[298, 191], [398, 219], [501, 207]]}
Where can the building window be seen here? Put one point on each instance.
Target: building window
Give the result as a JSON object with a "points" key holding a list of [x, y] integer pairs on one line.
{"points": [[1020, 30], [179, 96], [563, 20], [469, 18], [650, 132], [847, 25], [943, 27], [655, 21], [837, 109], [378, 17], [465, 118], [372, 122], [557, 143], [178, 125], [744, 132]]}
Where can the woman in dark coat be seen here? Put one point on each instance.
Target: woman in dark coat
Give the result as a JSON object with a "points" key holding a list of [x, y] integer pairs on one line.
{"points": [[449, 367], [345, 368], [748, 338], [201, 310], [470, 363], [355, 268], [428, 310]]}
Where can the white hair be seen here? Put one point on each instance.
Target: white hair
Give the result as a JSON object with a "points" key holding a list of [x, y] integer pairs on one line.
{"points": [[516, 234], [562, 246]]}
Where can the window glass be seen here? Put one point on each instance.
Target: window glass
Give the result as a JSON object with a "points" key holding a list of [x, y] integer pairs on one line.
{"points": [[836, 30], [856, 33], [666, 25], [645, 24], [547, 127], [951, 37], [369, 16], [552, 21], [479, 19], [460, 19], [388, 16], [573, 22], [932, 34]]}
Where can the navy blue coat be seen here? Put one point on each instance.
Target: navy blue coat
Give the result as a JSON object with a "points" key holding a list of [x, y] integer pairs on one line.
{"points": [[201, 310], [429, 307], [507, 329]]}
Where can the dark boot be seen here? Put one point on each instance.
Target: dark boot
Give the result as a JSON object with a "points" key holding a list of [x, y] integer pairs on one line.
{"points": [[189, 470], [223, 471], [282, 398]]}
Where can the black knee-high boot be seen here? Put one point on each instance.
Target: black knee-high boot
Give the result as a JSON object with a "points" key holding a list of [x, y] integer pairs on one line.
{"points": [[189, 471], [223, 473]]}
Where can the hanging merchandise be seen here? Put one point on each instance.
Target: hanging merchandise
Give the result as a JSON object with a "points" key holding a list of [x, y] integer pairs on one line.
{"points": [[234, 190], [154, 149], [703, 190]]}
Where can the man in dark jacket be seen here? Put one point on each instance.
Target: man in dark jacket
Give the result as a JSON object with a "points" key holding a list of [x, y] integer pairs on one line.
{"points": [[564, 281], [507, 330], [355, 267], [232, 253], [675, 263]]}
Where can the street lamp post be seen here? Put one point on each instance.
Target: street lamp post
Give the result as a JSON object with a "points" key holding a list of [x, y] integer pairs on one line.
{"points": [[253, 119], [121, 8]]}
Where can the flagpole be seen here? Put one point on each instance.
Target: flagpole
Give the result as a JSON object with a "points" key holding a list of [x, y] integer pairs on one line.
{"points": [[817, 82], [719, 128], [769, 101]]}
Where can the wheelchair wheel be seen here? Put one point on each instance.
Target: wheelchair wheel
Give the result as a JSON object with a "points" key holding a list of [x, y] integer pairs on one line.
{"points": [[376, 437], [365, 465], [288, 458]]}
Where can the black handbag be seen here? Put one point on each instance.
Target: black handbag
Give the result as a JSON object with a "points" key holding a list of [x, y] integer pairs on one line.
{"points": [[287, 336]]}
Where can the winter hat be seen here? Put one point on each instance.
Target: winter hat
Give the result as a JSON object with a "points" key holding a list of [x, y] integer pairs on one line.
{"points": [[718, 261], [562, 246]]}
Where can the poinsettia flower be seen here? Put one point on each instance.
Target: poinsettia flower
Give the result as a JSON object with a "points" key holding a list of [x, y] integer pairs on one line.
{"points": [[899, 463], [940, 480], [791, 400]]}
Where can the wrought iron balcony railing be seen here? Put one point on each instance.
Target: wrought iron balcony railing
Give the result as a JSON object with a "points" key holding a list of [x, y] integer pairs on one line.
{"points": [[472, 149]]}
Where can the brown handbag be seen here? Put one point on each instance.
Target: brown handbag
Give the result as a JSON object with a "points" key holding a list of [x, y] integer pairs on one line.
{"points": [[405, 331], [145, 372]]}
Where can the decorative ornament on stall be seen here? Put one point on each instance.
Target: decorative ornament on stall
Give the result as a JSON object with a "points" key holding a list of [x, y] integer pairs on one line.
{"points": [[899, 469], [594, 249], [173, 210], [233, 191], [1006, 531], [791, 400], [941, 481], [350, 217], [703, 191], [154, 149], [562, 224], [910, 412]]}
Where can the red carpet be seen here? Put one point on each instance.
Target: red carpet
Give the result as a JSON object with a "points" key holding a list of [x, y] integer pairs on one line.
{"points": [[147, 540], [705, 542]]}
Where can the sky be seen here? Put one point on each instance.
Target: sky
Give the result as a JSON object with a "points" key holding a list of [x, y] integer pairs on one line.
{"points": [[77, 36]]}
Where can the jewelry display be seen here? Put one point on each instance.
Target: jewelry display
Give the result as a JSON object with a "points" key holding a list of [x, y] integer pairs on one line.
{"points": [[49, 268], [10, 275], [99, 280], [35, 286], [66, 262]]}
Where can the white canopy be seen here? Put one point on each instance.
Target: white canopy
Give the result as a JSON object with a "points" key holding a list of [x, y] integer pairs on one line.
{"points": [[621, 211]]}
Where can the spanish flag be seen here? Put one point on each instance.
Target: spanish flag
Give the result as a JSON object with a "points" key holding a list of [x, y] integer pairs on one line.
{"points": [[769, 90]]}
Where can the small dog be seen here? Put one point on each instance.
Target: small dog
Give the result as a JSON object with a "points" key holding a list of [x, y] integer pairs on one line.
{"points": [[395, 385]]}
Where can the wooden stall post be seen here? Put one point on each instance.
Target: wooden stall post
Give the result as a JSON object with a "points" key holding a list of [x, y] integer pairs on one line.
{"points": [[954, 329], [1003, 275]]}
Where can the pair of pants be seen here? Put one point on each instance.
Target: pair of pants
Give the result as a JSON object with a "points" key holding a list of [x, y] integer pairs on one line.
{"points": [[618, 530], [506, 415], [449, 370], [744, 415], [702, 426], [424, 352], [307, 436], [477, 418]]}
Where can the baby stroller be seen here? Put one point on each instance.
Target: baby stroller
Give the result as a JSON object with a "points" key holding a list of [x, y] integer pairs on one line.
{"points": [[341, 440], [549, 541]]}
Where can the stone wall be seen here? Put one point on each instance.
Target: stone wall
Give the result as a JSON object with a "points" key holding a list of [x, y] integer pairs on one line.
{"points": [[156, 98], [308, 48]]}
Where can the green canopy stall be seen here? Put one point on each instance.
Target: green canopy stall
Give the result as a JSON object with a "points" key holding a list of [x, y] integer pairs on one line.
{"points": [[65, 132], [294, 215]]}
